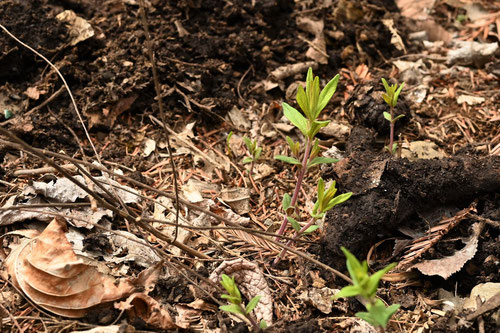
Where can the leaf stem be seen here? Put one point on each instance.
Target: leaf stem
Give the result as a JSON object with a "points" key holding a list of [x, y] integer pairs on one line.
{"points": [[290, 242], [391, 135], [296, 192]]}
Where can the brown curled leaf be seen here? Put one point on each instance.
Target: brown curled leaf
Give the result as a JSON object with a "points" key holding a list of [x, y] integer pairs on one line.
{"points": [[251, 283]]}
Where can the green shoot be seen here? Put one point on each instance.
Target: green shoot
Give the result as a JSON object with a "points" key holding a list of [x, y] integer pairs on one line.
{"points": [[391, 98], [365, 286], [311, 101], [255, 151], [236, 306], [228, 147]]}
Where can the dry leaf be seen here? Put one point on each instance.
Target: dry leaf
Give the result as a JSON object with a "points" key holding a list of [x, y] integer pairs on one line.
{"points": [[238, 198], [147, 309], [321, 299], [49, 272], [446, 266], [33, 93], [251, 283], [79, 28]]}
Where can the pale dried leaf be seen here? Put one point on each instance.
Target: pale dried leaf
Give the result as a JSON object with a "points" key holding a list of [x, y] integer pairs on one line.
{"points": [[238, 198], [416, 10], [251, 283], [471, 100], [446, 266], [285, 71], [33, 93], [321, 299], [79, 28]]}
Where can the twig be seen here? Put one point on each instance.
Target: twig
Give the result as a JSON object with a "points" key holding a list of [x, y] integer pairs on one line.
{"points": [[162, 112]]}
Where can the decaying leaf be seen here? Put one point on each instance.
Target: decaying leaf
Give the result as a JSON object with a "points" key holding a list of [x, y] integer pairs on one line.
{"points": [[422, 244], [238, 198], [147, 309], [79, 28], [320, 298], [49, 272], [251, 282], [446, 266]]}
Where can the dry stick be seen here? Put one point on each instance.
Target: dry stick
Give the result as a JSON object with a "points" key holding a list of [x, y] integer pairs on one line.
{"points": [[36, 152], [40, 153], [72, 101], [162, 112], [104, 203]]}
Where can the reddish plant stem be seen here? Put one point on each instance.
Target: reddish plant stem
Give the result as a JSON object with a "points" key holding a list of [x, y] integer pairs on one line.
{"points": [[296, 192], [391, 135], [290, 242]]}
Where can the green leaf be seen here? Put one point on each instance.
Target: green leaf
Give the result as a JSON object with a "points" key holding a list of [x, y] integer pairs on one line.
{"points": [[302, 100], [311, 229], [379, 313], [394, 147], [309, 80], [356, 270], [398, 117], [368, 318], [248, 143], [396, 94], [386, 85], [230, 286], [262, 324], [387, 99], [295, 117], [232, 308], [287, 159], [247, 160], [373, 281], [322, 160], [338, 200], [7, 113], [258, 151], [287, 199], [387, 116], [252, 304], [326, 94], [321, 189], [316, 125], [231, 299], [348, 291], [296, 226]]}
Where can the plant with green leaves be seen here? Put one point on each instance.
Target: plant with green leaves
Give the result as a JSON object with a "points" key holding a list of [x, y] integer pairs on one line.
{"points": [[311, 101], [325, 201], [236, 306], [365, 286], [391, 98], [254, 150], [228, 147]]}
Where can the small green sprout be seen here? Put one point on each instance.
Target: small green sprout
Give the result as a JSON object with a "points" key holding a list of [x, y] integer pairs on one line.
{"points": [[236, 306], [228, 147], [311, 101], [391, 98], [253, 149], [366, 285]]}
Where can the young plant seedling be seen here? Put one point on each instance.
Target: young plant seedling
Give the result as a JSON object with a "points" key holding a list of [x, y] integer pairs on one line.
{"points": [[365, 286], [311, 101], [254, 150], [236, 306], [228, 147], [326, 200], [391, 98]]}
